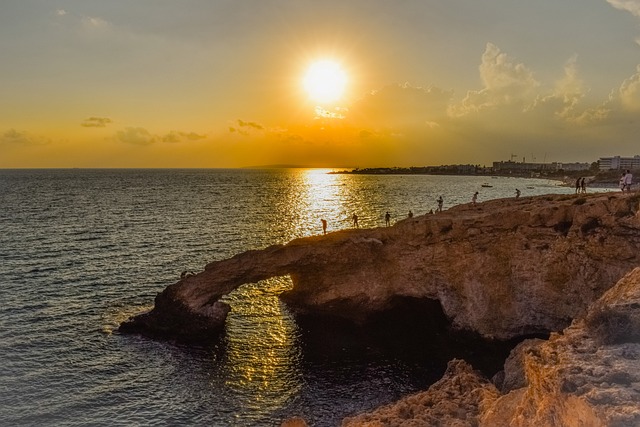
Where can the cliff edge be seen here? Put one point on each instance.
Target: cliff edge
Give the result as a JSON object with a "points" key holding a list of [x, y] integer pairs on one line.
{"points": [[504, 268], [587, 375]]}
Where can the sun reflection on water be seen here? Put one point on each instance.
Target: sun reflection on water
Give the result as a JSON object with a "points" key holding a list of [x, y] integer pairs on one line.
{"points": [[262, 366], [262, 358], [315, 195]]}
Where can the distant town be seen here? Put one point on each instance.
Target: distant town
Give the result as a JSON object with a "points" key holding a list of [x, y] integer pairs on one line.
{"points": [[605, 168]]}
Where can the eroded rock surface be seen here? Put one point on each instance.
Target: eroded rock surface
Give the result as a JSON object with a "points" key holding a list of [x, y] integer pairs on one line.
{"points": [[504, 268], [579, 377], [457, 400]]}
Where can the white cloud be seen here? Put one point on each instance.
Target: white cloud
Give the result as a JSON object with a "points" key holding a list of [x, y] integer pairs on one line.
{"points": [[92, 23], [15, 137], [141, 136], [505, 83], [96, 122], [177, 136], [629, 92], [136, 136], [337, 113], [569, 91], [499, 73], [632, 6]]}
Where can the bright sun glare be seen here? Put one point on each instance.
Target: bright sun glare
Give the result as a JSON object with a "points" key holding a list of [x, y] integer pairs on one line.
{"points": [[325, 81]]}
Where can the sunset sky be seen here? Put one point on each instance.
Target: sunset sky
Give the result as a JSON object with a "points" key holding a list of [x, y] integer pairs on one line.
{"points": [[213, 83]]}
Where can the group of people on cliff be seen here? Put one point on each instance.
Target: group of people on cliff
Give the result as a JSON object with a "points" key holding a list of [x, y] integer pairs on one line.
{"points": [[387, 216], [354, 220], [625, 183]]}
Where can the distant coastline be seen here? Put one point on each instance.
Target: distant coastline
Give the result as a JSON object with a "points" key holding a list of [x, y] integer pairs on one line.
{"points": [[446, 170], [597, 179]]}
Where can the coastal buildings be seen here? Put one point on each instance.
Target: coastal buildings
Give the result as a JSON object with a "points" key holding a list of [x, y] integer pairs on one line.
{"points": [[573, 167], [515, 168], [618, 163], [518, 167]]}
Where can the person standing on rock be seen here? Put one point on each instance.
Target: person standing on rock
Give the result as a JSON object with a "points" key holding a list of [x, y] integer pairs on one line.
{"points": [[354, 217], [324, 226], [517, 193], [440, 201], [583, 185], [622, 181], [387, 219], [474, 199], [578, 185], [628, 180], [410, 215]]}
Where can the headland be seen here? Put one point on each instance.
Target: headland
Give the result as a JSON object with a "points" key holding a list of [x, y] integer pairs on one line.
{"points": [[502, 269]]}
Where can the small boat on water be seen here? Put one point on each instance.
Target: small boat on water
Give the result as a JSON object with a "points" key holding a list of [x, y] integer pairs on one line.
{"points": [[487, 185]]}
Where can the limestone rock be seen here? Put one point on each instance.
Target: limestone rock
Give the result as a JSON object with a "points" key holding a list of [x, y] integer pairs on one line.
{"points": [[579, 377], [576, 378], [456, 400], [504, 268]]}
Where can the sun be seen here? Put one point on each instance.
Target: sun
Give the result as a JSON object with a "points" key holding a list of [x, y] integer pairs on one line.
{"points": [[325, 81]]}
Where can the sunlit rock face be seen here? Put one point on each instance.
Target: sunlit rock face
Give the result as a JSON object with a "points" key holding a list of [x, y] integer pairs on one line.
{"points": [[585, 376], [503, 268]]}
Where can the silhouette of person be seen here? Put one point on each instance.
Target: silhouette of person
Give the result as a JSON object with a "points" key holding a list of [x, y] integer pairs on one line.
{"points": [[628, 180], [578, 185], [387, 218], [517, 193], [354, 217], [474, 199], [410, 214], [622, 181], [583, 185], [440, 201], [324, 226]]}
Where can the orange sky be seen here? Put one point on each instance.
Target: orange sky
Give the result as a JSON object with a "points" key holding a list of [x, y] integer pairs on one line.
{"points": [[220, 84]]}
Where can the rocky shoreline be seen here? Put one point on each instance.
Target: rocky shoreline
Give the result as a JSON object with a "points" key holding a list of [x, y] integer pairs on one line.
{"points": [[585, 375], [502, 269]]}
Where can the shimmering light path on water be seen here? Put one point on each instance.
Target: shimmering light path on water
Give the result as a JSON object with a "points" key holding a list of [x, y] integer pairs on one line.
{"points": [[81, 250]]}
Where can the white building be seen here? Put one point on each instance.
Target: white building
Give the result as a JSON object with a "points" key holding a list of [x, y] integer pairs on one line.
{"points": [[509, 166], [619, 163], [574, 166]]}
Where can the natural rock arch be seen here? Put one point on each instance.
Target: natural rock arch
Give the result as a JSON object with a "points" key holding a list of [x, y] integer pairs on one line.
{"points": [[503, 268]]}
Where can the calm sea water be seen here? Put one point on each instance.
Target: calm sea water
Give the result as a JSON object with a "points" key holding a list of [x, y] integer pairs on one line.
{"points": [[82, 250]]}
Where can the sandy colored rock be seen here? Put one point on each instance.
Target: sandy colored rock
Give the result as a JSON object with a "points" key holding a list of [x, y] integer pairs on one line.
{"points": [[530, 265], [574, 379], [577, 378], [456, 400]]}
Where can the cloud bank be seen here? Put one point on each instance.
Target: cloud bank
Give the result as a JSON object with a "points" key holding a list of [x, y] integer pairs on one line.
{"points": [[96, 122], [141, 136], [21, 138]]}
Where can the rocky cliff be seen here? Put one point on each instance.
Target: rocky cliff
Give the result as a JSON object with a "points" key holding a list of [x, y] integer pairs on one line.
{"points": [[587, 375], [503, 268]]}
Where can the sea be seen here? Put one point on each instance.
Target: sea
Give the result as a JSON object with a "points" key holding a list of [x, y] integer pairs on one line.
{"points": [[81, 250]]}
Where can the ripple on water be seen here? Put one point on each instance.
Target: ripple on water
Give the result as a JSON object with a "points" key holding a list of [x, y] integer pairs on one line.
{"points": [[82, 250]]}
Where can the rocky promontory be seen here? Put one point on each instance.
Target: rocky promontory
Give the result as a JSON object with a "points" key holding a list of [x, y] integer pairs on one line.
{"points": [[504, 268]]}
